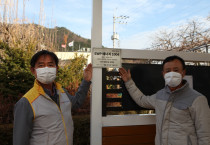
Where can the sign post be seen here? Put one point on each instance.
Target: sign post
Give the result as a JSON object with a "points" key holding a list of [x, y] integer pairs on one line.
{"points": [[106, 58]]}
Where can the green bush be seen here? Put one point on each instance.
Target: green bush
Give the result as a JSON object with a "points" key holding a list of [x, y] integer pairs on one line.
{"points": [[81, 130], [15, 78], [15, 75], [71, 75], [6, 134]]}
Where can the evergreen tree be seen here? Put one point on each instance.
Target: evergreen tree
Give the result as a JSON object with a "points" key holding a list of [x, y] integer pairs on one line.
{"points": [[71, 74], [15, 76]]}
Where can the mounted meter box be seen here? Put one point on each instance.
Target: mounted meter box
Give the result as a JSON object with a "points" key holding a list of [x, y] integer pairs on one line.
{"points": [[106, 58]]}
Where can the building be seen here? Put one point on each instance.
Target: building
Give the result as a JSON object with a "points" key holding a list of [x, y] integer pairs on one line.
{"points": [[66, 56]]}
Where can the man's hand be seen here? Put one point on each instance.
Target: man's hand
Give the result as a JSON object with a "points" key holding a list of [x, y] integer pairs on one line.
{"points": [[125, 75], [88, 73]]}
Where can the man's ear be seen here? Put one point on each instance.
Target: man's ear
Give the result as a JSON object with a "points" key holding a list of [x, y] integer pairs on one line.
{"points": [[33, 71], [57, 67], [184, 72], [163, 74]]}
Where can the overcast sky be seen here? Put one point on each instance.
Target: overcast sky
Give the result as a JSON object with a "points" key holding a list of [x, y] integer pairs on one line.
{"points": [[145, 17]]}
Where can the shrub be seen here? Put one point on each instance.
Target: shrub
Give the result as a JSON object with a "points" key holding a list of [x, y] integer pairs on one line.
{"points": [[81, 130], [6, 134]]}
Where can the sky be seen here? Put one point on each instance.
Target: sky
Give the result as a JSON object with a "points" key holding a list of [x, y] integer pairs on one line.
{"points": [[146, 17]]}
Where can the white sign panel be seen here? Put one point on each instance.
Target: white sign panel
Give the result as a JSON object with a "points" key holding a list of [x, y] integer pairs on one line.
{"points": [[106, 57]]}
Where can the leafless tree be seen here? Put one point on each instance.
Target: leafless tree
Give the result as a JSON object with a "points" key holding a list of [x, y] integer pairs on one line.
{"points": [[22, 33], [183, 38], [208, 18]]}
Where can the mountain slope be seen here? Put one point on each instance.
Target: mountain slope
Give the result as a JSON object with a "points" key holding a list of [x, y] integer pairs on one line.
{"points": [[65, 36]]}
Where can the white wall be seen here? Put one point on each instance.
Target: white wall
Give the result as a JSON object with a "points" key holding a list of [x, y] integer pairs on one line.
{"points": [[70, 55]]}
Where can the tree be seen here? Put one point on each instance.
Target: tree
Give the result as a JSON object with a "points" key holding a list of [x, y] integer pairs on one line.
{"points": [[15, 75], [71, 74], [183, 38], [15, 78]]}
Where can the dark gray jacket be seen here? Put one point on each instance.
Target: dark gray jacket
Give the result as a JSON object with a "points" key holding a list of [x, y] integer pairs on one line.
{"points": [[182, 116]]}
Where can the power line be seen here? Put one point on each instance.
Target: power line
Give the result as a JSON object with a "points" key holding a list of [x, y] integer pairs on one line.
{"points": [[140, 7], [122, 18]]}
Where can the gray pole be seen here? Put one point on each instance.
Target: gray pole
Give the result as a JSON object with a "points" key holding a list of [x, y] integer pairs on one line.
{"points": [[113, 32], [207, 48]]}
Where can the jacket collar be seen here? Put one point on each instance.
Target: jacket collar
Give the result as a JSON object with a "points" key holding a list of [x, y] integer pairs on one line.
{"points": [[41, 91], [186, 85]]}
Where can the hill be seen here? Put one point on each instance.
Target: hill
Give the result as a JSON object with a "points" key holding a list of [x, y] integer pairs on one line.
{"points": [[40, 37], [65, 36]]}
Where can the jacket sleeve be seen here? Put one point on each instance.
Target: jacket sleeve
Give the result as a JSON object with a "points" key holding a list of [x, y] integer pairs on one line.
{"points": [[200, 113], [80, 95], [23, 122], [139, 97]]}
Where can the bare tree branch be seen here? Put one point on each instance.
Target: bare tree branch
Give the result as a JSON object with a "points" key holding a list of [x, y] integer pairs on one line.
{"points": [[183, 38]]}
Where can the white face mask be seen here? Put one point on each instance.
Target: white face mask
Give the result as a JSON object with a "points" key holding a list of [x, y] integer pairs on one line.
{"points": [[173, 79], [46, 75]]}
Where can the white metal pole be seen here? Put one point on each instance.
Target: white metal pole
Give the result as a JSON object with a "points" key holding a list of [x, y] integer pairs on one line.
{"points": [[114, 31], [96, 95]]}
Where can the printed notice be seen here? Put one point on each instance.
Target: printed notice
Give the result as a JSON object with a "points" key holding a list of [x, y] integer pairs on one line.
{"points": [[106, 57]]}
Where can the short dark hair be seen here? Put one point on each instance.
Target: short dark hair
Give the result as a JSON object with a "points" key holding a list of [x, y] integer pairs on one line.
{"points": [[171, 58], [36, 56]]}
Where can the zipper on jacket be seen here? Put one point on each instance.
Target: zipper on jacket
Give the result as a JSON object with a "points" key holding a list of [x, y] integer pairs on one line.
{"points": [[162, 124], [172, 101], [161, 141], [61, 116], [189, 142]]}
